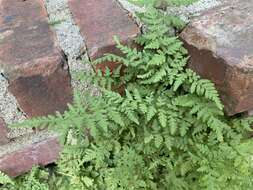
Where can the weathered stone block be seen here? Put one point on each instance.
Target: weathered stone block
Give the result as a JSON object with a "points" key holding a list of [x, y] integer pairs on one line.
{"points": [[99, 21], [20, 155], [31, 60], [220, 43]]}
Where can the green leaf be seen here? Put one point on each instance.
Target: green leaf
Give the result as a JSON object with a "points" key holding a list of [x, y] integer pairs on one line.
{"points": [[162, 118], [4, 179], [172, 125], [158, 141], [151, 113], [148, 139], [88, 181]]}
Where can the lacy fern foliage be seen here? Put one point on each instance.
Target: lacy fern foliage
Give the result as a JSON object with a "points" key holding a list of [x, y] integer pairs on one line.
{"points": [[167, 131]]}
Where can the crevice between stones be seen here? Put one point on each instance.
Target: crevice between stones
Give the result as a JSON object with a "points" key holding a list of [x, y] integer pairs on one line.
{"points": [[9, 107], [70, 41]]}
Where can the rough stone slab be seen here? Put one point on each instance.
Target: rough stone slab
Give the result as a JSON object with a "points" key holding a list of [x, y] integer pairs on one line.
{"points": [[39, 95], [220, 43], [99, 21], [31, 60], [3, 132], [19, 156]]}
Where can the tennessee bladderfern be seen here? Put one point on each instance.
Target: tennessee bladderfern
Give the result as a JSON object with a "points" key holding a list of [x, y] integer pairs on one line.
{"points": [[167, 131]]}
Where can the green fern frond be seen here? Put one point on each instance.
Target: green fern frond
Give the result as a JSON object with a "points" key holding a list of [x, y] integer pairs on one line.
{"points": [[167, 129], [4, 179]]}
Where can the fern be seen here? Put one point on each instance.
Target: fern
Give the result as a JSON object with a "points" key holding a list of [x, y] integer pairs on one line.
{"points": [[4, 179], [166, 131]]}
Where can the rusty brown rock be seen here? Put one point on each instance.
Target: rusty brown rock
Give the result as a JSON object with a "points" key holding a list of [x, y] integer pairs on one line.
{"points": [[31, 60], [220, 43], [20, 160], [3, 132], [99, 22]]}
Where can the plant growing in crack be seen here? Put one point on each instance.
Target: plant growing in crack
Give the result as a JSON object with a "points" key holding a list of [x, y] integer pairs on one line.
{"points": [[56, 22], [166, 131]]}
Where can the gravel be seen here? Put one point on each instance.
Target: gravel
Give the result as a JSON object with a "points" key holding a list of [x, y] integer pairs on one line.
{"points": [[67, 32], [9, 110], [69, 38], [195, 9], [131, 7], [184, 12], [71, 42]]}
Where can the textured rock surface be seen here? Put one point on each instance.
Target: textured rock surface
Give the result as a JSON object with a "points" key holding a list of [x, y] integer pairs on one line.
{"points": [[200, 6], [9, 108], [67, 33], [99, 21], [35, 67], [70, 40], [3, 132], [132, 8], [220, 43], [185, 12], [21, 155]]}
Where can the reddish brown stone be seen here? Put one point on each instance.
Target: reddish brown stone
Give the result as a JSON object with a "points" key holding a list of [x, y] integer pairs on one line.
{"points": [[220, 43], [38, 95], [3, 132], [31, 60], [99, 22], [22, 160]]}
